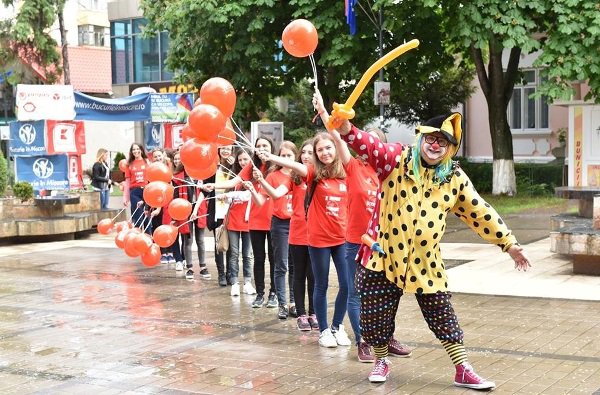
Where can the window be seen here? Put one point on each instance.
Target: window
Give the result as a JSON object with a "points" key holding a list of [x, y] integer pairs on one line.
{"points": [[524, 112], [93, 35]]}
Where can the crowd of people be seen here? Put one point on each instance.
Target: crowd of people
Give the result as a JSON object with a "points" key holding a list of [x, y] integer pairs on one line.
{"points": [[304, 208]]}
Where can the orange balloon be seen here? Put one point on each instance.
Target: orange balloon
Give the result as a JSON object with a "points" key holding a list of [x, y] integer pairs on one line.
{"points": [[220, 93], [197, 102], [300, 38], [122, 225], [123, 165], [158, 171], [165, 235], [197, 154], [227, 136], [206, 121], [158, 194], [105, 226], [151, 257], [202, 173], [130, 242], [120, 238], [142, 243], [180, 209], [187, 133]]}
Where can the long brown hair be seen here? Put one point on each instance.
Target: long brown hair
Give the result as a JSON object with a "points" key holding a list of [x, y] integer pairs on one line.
{"points": [[333, 170], [284, 145], [131, 158], [295, 177]]}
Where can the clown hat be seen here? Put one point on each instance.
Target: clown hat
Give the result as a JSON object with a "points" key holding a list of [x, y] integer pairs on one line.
{"points": [[449, 125]]}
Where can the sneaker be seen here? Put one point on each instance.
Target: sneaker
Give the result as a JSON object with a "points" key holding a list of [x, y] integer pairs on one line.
{"points": [[189, 274], [293, 312], [204, 274], [235, 290], [326, 339], [179, 266], [380, 371], [222, 280], [272, 301], [398, 349], [303, 324], [282, 313], [170, 259], [365, 353], [466, 377], [258, 302], [164, 260], [341, 336], [312, 320], [249, 289]]}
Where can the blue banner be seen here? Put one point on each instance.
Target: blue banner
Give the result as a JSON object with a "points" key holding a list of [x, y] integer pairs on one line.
{"points": [[153, 136], [170, 107], [43, 172], [131, 108], [27, 138]]}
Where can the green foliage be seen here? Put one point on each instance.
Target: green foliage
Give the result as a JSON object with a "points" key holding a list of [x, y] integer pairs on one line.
{"points": [[3, 173], [117, 159], [23, 190]]}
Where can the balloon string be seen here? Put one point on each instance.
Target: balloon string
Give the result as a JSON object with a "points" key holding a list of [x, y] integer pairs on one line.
{"points": [[191, 220], [134, 211], [119, 213], [184, 180], [249, 144], [227, 171], [142, 217], [147, 226], [314, 69]]}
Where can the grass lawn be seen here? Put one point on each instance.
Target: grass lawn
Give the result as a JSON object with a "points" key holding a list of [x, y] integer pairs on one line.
{"points": [[522, 204]]}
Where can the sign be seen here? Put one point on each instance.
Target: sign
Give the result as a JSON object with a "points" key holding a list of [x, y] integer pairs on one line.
{"points": [[165, 87], [578, 145], [43, 172], [4, 132], [27, 138], [593, 176], [131, 108], [382, 93], [65, 137], [37, 102], [153, 136], [75, 172], [271, 130], [173, 137], [170, 107]]}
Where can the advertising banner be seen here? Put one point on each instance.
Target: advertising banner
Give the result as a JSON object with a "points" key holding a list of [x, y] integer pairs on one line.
{"points": [[43, 172], [153, 136], [170, 107], [173, 137], [75, 172], [27, 138], [65, 137], [36, 102], [131, 108]]}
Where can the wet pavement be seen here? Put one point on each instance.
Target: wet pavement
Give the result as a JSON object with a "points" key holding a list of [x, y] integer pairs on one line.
{"points": [[79, 317]]}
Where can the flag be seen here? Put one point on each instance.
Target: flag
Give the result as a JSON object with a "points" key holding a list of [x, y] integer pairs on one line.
{"points": [[350, 15]]}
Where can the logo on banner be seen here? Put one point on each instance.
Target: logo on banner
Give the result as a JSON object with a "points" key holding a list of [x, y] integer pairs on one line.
{"points": [[155, 135], [63, 137], [27, 133], [42, 168]]}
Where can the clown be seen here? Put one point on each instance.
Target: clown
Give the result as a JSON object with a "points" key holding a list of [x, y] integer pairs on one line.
{"points": [[420, 185]]}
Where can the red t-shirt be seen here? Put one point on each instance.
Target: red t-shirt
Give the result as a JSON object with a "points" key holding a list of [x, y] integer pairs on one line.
{"points": [[260, 216], [236, 216], [298, 230], [282, 207], [136, 173], [328, 211], [363, 186], [202, 210]]}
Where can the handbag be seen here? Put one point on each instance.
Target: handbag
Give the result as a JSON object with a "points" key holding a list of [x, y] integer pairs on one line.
{"points": [[222, 236]]}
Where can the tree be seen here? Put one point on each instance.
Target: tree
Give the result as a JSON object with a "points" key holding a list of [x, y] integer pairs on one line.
{"points": [[240, 40], [483, 30]]}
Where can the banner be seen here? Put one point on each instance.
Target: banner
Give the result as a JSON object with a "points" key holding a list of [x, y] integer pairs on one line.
{"points": [[131, 108], [65, 137], [170, 107], [37, 102], [75, 172], [27, 138], [153, 136], [43, 172], [173, 137]]}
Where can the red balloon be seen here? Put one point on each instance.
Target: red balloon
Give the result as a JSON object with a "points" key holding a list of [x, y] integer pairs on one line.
{"points": [[197, 102], [158, 194], [122, 225], [206, 121], [158, 171], [120, 238], [130, 242], [180, 209], [187, 133], [300, 38], [197, 154], [226, 136], [151, 257], [165, 235], [202, 173], [123, 165], [220, 93], [142, 243], [105, 226]]}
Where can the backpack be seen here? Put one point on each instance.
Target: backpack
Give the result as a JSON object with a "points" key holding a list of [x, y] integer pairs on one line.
{"points": [[308, 197]]}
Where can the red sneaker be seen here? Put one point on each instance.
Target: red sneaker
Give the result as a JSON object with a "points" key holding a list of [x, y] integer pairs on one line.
{"points": [[364, 352], [398, 349], [466, 377], [380, 371]]}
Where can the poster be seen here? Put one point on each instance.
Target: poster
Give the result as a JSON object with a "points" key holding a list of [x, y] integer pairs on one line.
{"points": [[43, 172], [27, 138], [37, 102], [65, 137]]}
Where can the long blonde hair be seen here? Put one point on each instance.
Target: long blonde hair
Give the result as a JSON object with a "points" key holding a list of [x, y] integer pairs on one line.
{"points": [[100, 154], [333, 170]]}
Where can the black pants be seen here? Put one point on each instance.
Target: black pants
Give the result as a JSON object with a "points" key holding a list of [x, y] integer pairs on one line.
{"points": [[258, 238], [303, 277]]}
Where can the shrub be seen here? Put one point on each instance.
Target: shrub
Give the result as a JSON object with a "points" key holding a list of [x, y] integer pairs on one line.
{"points": [[117, 159], [3, 174], [23, 190]]}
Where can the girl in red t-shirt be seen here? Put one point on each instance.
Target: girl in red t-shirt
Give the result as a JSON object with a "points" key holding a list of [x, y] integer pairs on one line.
{"points": [[133, 186], [326, 222]]}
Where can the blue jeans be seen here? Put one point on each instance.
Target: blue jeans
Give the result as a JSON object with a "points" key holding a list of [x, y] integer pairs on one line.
{"points": [[137, 195], [320, 259], [353, 296], [280, 230], [104, 194], [234, 255]]}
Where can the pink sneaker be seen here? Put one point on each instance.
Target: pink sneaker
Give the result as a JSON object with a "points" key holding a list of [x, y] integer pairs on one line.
{"points": [[364, 352], [398, 349], [466, 377], [380, 371]]}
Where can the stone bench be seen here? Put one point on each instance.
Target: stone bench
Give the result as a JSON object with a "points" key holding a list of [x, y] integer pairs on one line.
{"points": [[585, 196]]}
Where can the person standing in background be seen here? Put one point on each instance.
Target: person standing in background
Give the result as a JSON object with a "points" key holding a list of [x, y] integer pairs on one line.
{"points": [[101, 177]]}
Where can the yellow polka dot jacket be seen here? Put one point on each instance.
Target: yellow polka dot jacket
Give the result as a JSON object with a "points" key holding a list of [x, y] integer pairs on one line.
{"points": [[410, 216]]}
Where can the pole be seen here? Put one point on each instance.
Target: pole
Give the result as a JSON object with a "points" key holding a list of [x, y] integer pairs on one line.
{"points": [[381, 106]]}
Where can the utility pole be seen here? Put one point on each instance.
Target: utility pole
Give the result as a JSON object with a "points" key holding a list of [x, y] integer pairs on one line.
{"points": [[381, 106]]}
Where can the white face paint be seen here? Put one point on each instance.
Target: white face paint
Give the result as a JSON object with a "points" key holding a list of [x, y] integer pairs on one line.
{"points": [[433, 153]]}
